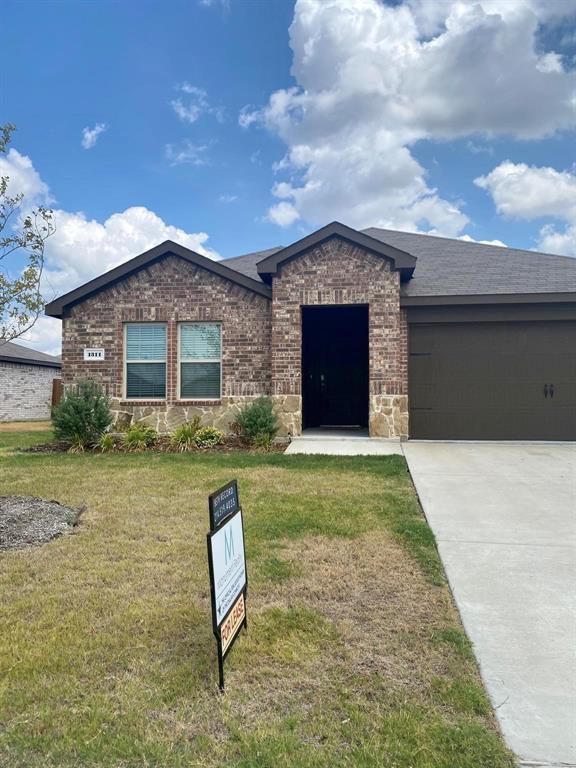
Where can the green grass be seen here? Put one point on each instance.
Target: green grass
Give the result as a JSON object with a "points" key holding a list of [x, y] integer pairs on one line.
{"points": [[354, 654], [12, 440]]}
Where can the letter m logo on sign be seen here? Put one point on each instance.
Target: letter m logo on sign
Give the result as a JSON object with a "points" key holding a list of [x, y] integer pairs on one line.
{"points": [[228, 545]]}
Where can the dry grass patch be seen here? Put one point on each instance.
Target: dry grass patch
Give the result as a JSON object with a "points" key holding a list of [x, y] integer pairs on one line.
{"points": [[25, 426], [354, 654]]}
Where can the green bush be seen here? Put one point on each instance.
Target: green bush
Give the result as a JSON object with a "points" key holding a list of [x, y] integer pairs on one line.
{"points": [[107, 442], [206, 437], [139, 437], [82, 416], [184, 438], [258, 419], [262, 442]]}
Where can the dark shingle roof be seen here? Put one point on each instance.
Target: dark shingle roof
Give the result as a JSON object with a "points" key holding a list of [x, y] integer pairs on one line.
{"points": [[247, 264], [15, 353], [448, 267]]}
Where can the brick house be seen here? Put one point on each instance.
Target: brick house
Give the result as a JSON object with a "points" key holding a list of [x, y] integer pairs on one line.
{"points": [[26, 382], [407, 335]]}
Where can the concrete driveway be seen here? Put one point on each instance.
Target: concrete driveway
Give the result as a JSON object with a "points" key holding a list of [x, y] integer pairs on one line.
{"points": [[504, 516]]}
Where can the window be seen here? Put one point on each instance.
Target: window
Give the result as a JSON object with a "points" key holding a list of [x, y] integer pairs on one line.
{"points": [[200, 361], [145, 346]]}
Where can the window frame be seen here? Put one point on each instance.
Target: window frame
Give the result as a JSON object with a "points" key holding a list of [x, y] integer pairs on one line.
{"points": [[127, 362], [179, 362]]}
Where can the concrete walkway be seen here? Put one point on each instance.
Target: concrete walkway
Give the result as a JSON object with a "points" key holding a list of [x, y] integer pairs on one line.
{"points": [[504, 516], [343, 443]]}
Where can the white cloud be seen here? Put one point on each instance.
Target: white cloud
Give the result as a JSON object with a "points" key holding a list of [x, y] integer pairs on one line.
{"points": [[90, 135], [373, 78], [224, 4], [24, 178], [193, 104], [45, 335], [533, 192], [82, 248], [284, 214], [228, 198], [186, 152], [530, 192], [468, 239], [553, 241]]}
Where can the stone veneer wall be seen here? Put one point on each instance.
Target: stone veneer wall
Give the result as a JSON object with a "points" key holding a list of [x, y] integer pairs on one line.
{"points": [[26, 391], [338, 272], [172, 290]]}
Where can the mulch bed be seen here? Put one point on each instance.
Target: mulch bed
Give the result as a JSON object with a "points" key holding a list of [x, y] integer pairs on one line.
{"points": [[26, 520], [164, 445]]}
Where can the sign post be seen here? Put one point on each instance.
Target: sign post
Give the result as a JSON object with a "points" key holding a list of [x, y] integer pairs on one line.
{"points": [[227, 566]]}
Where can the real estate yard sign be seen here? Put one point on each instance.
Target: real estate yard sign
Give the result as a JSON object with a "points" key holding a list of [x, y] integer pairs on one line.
{"points": [[227, 565]]}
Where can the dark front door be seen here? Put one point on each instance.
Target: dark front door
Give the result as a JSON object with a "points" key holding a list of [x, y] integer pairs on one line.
{"points": [[493, 381], [335, 366]]}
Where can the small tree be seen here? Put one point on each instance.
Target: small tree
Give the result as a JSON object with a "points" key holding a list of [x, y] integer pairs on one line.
{"points": [[22, 237], [83, 415]]}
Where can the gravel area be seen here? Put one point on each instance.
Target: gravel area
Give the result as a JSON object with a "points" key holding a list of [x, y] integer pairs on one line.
{"points": [[26, 520]]}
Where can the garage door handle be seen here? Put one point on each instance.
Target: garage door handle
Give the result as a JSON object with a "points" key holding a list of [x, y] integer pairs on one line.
{"points": [[545, 390]]}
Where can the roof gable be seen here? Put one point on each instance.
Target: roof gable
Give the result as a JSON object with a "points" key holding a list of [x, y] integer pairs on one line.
{"points": [[57, 307], [402, 261]]}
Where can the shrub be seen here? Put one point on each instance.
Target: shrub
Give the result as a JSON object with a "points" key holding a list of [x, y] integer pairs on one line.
{"points": [[262, 442], [82, 416], [206, 437], [183, 438], [139, 437], [107, 442], [258, 419]]}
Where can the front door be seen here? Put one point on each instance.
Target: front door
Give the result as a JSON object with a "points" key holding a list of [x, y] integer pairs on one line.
{"points": [[335, 366]]}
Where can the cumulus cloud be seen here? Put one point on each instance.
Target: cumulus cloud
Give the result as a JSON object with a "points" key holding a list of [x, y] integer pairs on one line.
{"points": [[193, 103], [90, 135], [534, 192], [530, 192], [82, 248], [24, 179], [374, 78]]}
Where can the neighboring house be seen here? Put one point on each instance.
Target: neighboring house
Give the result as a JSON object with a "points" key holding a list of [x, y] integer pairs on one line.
{"points": [[409, 335], [26, 378]]}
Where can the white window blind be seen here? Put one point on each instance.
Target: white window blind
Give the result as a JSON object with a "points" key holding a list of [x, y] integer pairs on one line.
{"points": [[145, 361], [200, 361]]}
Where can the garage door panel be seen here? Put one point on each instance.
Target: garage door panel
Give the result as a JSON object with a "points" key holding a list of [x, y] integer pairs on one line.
{"points": [[466, 395], [493, 381]]}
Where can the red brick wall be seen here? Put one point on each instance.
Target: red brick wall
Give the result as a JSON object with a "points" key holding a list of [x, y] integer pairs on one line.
{"points": [[340, 273], [172, 291], [260, 339]]}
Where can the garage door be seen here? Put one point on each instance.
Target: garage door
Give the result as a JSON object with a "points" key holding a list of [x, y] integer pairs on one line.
{"points": [[493, 381]]}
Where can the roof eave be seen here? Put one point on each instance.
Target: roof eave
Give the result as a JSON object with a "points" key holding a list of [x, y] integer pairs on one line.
{"points": [[29, 361], [492, 298]]}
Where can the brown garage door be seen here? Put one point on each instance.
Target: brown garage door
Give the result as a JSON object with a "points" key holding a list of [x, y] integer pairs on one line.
{"points": [[493, 381]]}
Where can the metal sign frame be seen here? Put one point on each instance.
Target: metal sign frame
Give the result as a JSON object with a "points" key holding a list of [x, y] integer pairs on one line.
{"points": [[217, 522], [223, 503]]}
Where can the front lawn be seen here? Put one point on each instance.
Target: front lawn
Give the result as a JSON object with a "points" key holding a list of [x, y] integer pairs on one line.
{"points": [[355, 655]]}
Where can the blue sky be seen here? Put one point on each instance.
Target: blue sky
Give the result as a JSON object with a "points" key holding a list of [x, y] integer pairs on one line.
{"points": [[119, 64], [235, 125]]}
